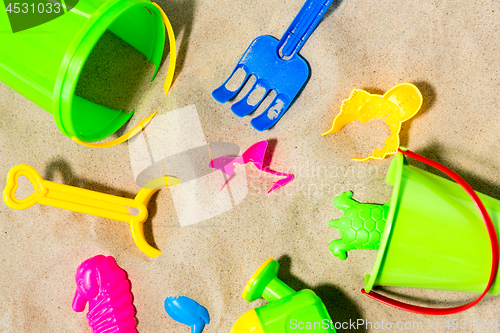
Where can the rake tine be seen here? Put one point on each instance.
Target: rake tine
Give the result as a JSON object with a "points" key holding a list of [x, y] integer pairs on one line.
{"points": [[272, 114], [222, 94], [242, 107]]}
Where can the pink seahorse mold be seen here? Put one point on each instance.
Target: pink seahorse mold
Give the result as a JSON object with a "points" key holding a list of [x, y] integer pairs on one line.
{"points": [[104, 285]]}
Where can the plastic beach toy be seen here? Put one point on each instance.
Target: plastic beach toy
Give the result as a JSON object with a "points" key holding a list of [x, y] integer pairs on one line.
{"points": [[277, 66], [361, 226], [255, 154], [102, 284], [397, 105], [84, 201], [188, 312], [434, 236], [43, 62], [288, 311]]}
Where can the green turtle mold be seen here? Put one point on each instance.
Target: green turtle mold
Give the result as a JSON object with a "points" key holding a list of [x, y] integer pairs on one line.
{"points": [[361, 226]]}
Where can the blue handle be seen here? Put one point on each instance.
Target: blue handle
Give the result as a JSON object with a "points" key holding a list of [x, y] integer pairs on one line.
{"points": [[302, 27]]}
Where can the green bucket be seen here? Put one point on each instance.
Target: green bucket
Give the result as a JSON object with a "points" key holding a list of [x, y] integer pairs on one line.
{"points": [[44, 62], [434, 237]]}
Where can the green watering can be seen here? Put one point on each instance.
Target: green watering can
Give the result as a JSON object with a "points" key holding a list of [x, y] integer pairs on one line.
{"points": [[288, 310]]}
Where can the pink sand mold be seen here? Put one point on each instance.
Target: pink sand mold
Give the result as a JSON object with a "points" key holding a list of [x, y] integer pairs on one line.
{"points": [[254, 154], [104, 285]]}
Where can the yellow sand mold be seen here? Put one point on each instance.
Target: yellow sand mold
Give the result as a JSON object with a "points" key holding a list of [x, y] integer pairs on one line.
{"points": [[397, 105]]}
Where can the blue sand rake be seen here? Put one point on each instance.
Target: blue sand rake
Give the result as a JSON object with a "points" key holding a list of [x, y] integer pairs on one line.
{"points": [[276, 66]]}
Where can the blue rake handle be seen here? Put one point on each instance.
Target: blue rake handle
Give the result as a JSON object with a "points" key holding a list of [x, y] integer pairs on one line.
{"points": [[302, 27]]}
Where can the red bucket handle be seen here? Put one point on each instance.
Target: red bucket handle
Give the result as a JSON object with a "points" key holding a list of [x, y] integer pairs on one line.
{"points": [[493, 239]]}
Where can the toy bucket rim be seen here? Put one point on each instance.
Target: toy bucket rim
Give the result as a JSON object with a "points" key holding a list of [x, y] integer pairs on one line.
{"points": [[386, 235], [77, 55]]}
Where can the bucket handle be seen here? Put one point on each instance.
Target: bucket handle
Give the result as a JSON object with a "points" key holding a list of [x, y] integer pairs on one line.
{"points": [[491, 232]]}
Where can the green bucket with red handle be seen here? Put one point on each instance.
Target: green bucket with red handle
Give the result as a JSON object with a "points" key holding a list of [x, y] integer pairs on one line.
{"points": [[435, 236]]}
